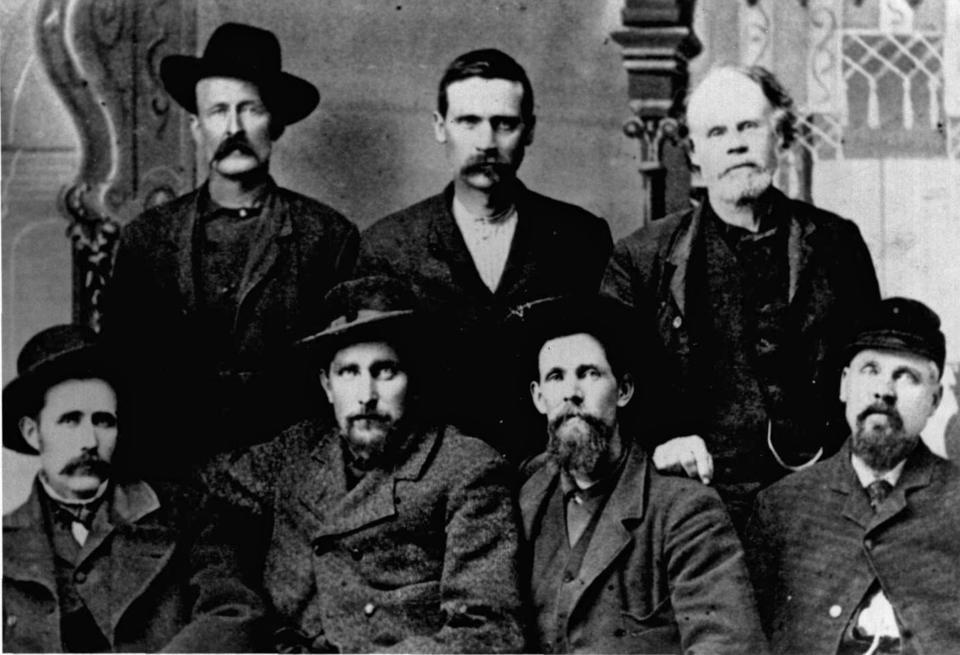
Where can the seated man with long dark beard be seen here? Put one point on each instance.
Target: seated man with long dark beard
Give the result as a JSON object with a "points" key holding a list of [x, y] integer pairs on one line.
{"points": [[623, 558]]}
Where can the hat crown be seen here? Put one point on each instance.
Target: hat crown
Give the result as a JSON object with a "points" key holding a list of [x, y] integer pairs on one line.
{"points": [[901, 324], [52, 343], [234, 46], [372, 294]]}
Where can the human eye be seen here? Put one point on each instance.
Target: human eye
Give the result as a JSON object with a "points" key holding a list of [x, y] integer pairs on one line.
{"points": [[870, 368], [913, 377], [386, 371], [715, 131], [748, 125], [468, 121], [506, 125], [104, 420], [69, 418], [347, 370], [553, 375]]}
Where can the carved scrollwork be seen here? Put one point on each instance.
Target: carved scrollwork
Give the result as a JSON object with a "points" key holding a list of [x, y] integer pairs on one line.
{"points": [[652, 133]]}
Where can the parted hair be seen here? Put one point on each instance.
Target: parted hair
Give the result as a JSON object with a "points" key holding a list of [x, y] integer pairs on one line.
{"points": [[489, 64]]}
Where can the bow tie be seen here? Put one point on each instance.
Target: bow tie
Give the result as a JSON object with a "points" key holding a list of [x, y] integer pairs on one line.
{"points": [[878, 490], [70, 514]]}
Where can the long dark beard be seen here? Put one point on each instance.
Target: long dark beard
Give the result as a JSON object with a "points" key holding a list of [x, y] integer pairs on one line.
{"points": [[580, 446], [882, 446]]}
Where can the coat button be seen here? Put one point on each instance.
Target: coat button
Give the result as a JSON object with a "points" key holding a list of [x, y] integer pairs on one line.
{"points": [[619, 632], [567, 576], [356, 554], [369, 609], [11, 621], [868, 543], [835, 611], [79, 576], [318, 548], [677, 322]]}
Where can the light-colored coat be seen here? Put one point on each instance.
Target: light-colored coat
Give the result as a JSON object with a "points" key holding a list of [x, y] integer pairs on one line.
{"points": [[149, 574], [664, 571], [420, 558]]}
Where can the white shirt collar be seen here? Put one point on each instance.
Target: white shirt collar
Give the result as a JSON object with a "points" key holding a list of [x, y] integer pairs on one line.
{"points": [[866, 475], [102, 489]]}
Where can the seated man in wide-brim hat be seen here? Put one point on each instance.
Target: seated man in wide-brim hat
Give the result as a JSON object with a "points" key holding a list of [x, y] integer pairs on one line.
{"points": [[223, 278], [386, 531], [95, 561]]}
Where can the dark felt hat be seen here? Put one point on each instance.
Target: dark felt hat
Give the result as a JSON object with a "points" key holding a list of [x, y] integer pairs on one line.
{"points": [[51, 356], [901, 324], [372, 308], [247, 53], [611, 321]]}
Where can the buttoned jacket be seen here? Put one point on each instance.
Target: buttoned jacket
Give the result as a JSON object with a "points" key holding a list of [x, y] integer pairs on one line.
{"points": [[154, 313], [815, 546], [152, 574], [831, 280], [420, 558], [664, 571]]}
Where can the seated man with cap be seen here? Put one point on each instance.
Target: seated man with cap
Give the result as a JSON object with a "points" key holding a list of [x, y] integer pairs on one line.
{"points": [[623, 559], [95, 561], [861, 553], [382, 530]]}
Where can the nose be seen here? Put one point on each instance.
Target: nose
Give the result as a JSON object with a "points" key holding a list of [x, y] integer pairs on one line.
{"points": [[368, 393], [485, 136], [234, 122], [886, 390], [574, 393], [88, 435]]}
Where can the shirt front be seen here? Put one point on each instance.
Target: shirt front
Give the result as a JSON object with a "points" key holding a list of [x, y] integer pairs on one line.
{"points": [[488, 239]]}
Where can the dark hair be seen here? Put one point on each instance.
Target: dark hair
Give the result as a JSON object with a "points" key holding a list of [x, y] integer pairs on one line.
{"points": [[489, 64], [784, 118]]}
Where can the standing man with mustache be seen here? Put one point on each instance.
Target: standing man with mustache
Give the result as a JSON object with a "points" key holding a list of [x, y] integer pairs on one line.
{"points": [[226, 276], [384, 529], [750, 292], [622, 559], [486, 243], [860, 553], [94, 560]]}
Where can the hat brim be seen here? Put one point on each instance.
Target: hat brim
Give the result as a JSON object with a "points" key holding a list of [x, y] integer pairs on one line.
{"points": [[89, 361], [289, 98], [393, 326]]}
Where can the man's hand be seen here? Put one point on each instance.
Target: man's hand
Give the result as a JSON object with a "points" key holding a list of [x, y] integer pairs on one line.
{"points": [[685, 455]]}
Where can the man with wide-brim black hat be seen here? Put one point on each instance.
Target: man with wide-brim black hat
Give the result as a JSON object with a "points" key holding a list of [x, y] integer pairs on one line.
{"points": [[622, 558], [95, 561], [387, 531], [220, 280], [860, 552]]}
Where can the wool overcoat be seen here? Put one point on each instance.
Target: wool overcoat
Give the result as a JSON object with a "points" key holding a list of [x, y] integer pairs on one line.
{"points": [[154, 575], [154, 312], [815, 546], [831, 281], [664, 571], [557, 249], [420, 558]]}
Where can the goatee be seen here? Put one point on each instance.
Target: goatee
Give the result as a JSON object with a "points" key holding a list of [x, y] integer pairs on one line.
{"points": [[580, 443], [879, 439]]}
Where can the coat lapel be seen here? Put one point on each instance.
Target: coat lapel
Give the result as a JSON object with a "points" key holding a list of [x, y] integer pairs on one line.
{"points": [[447, 245], [27, 551], [532, 236], [917, 473], [185, 223], [678, 260], [799, 248], [534, 493]]}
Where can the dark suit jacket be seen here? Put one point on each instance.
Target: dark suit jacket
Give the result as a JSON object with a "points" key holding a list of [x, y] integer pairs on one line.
{"points": [[815, 546], [831, 281], [155, 578], [557, 249], [421, 558], [154, 316], [664, 571]]}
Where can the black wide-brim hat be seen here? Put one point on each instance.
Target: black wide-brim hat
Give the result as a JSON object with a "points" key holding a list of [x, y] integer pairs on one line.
{"points": [[372, 308], [51, 356], [247, 53]]}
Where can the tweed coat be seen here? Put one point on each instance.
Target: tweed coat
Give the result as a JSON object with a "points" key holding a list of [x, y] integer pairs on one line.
{"points": [[557, 249], [154, 577], [664, 571], [421, 558], [831, 280], [154, 314], [815, 546]]}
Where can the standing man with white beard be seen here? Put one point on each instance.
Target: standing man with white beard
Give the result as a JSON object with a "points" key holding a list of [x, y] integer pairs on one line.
{"points": [[860, 553], [751, 293], [622, 559]]}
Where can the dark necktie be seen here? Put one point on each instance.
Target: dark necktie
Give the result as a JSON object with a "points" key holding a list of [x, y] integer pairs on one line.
{"points": [[878, 490], [69, 514]]}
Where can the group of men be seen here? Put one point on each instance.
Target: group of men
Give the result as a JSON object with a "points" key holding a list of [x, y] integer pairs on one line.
{"points": [[368, 479]]}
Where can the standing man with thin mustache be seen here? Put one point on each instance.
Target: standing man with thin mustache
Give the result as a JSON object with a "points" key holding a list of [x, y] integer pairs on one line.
{"points": [[226, 276], [486, 243], [750, 292]]}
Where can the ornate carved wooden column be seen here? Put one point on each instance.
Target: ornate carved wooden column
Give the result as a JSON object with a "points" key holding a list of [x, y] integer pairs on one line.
{"points": [[103, 57], [657, 42]]}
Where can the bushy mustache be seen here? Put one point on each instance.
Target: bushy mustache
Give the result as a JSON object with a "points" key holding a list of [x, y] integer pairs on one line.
{"points": [[88, 462], [572, 413], [896, 420], [369, 416], [480, 163], [235, 142]]}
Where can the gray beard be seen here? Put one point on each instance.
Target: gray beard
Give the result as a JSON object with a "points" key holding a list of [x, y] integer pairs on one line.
{"points": [[744, 192], [882, 447], [580, 446]]}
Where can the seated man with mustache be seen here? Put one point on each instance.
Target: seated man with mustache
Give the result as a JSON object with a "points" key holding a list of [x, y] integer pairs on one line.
{"points": [[622, 559], [750, 292], [95, 561], [860, 553], [383, 530], [487, 242]]}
